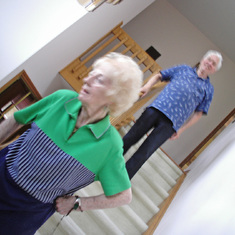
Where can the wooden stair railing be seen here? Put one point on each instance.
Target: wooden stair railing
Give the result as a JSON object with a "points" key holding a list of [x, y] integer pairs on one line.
{"points": [[119, 41]]}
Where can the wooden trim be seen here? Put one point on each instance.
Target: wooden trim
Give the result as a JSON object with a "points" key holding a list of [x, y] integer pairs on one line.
{"points": [[30, 85], [94, 53], [100, 40], [15, 104], [154, 222], [207, 139], [24, 76], [29, 90]]}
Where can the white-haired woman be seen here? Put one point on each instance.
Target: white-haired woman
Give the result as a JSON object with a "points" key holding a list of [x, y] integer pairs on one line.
{"points": [[70, 144]]}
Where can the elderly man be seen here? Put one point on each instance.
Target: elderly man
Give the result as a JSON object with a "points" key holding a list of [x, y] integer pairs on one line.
{"points": [[180, 105]]}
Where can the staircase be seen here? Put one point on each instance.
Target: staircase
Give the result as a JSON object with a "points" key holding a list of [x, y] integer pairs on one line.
{"points": [[153, 188]]}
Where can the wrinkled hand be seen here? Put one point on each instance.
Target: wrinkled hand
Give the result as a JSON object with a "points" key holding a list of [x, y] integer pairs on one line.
{"points": [[144, 91], [175, 136], [65, 204]]}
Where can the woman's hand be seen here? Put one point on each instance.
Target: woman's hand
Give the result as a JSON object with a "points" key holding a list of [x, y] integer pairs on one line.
{"points": [[64, 205]]}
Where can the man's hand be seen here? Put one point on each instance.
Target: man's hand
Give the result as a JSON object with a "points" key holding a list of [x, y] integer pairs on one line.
{"points": [[192, 120], [151, 82], [175, 136], [144, 91]]}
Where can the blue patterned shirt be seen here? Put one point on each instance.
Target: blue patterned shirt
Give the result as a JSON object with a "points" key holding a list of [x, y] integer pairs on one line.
{"points": [[184, 94]]}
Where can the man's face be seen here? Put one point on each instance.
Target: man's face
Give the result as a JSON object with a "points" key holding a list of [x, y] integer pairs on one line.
{"points": [[209, 64]]}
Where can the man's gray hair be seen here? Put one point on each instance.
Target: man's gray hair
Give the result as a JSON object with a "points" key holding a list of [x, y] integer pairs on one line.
{"points": [[216, 53]]}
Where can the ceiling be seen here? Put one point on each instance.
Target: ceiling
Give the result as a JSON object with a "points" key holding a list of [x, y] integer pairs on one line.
{"points": [[214, 18]]}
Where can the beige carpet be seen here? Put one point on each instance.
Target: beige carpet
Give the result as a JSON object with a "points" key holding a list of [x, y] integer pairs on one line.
{"points": [[150, 188]]}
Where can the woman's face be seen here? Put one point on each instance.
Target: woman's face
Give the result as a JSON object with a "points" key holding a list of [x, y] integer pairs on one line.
{"points": [[96, 85]]}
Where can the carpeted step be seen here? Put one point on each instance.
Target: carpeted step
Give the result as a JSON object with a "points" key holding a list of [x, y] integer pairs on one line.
{"points": [[150, 187]]}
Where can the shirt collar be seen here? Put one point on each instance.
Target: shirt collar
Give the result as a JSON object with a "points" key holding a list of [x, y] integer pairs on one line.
{"points": [[207, 79], [98, 129], [72, 107]]}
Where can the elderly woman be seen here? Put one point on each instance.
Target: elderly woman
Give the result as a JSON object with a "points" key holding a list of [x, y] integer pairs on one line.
{"points": [[70, 144]]}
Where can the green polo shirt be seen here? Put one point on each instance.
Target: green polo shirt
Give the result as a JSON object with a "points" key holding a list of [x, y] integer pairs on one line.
{"points": [[97, 146]]}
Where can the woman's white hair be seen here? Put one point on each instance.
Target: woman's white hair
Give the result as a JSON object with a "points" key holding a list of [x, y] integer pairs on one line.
{"points": [[126, 82], [216, 53]]}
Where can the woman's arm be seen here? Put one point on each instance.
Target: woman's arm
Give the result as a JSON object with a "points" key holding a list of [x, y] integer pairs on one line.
{"points": [[7, 127], [65, 204]]}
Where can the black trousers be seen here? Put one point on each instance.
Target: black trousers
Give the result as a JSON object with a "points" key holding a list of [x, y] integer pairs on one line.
{"points": [[163, 130]]}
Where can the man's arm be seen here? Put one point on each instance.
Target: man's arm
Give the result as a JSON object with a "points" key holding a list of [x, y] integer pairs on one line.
{"points": [[65, 204], [151, 82], [7, 127], [194, 118]]}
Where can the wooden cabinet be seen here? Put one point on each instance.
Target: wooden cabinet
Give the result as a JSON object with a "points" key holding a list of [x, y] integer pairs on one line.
{"points": [[17, 94]]}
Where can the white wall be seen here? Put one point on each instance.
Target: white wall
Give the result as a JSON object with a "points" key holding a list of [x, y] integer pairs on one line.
{"points": [[160, 25], [204, 204], [28, 25], [178, 41], [44, 65]]}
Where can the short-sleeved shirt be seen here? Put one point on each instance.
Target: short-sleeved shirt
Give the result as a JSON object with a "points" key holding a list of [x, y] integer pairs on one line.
{"points": [[184, 94], [46, 162]]}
